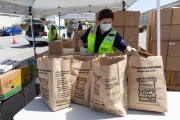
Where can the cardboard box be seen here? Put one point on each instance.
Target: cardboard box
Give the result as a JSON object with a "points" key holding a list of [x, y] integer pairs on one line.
{"points": [[13, 81], [153, 48], [165, 32], [176, 16], [147, 45], [166, 15], [131, 34], [132, 44], [167, 77], [175, 78], [40, 33], [33, 67], [148, 33], [118, 19], [55, 47], [175, 32], [120, 30], [174, 48], [132, 18], [97, 21], [173, 64], [150, 14], [68, 44], [25, 73], [164, 61]]}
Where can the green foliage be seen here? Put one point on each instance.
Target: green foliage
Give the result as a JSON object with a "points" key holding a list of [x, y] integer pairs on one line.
{"points": [[15, 24], [145, 26], [24, 26], [66, 22]]}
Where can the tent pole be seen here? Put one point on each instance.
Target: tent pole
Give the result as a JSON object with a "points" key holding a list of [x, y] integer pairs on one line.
{"points": [[32, 31], [158, 29], [59, 26], [124, 5]]}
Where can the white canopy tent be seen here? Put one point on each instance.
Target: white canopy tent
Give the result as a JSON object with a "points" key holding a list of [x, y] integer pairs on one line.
{"points": [[61, 7], [49, 7], [88, 16]]}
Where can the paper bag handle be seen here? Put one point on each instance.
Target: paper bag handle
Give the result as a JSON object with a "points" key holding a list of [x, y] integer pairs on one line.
{"points": [[145, 53]]}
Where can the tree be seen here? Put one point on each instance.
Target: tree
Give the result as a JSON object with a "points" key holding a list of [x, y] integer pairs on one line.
{"points": [[66, 22]]}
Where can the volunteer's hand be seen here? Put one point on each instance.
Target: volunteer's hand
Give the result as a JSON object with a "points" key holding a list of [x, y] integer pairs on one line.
{"points": [[132, 52], [83, 51]]}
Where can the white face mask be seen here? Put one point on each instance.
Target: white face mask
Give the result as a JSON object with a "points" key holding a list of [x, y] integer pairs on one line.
{"points": [[105, 27]]}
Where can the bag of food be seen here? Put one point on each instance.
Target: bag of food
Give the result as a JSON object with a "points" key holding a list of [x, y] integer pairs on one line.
{"points": [[54, 76], [109, 85], [146, 84], [81, 79]]}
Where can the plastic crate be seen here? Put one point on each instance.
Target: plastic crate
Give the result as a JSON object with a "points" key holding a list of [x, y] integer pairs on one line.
{"points": [[8, 65]]}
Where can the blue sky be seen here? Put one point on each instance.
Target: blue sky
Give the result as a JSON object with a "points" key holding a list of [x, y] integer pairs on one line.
{"points": [[145, 5]]}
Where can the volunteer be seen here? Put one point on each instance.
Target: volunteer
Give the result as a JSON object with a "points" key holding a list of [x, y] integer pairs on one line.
{"points": [[53, 33], [70, 29], [103, 39], [80, 27]]}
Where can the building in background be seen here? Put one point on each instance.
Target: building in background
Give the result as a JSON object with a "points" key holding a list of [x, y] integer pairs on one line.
{"points": [[144, 15], [7, 20]]}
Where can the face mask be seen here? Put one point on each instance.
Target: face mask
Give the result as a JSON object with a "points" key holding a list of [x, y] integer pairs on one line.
{"points": [[105, 27]]}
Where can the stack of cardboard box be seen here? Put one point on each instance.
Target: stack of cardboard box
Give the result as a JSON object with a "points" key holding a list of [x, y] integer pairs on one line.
{"points": [[173, 59], [126, 23], [170, 36], [151, 42], [14, 80]]}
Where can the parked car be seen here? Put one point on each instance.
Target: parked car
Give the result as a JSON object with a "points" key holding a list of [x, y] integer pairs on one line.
{"points": [[11, 31], [40, 31], [0, 32]]}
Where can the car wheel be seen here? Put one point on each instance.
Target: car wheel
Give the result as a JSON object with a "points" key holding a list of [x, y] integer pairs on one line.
{"points": [[20, 33], [10, 34], [31, 43]]}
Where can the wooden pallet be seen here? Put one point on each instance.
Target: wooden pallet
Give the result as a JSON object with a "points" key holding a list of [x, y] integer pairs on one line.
{"points": [[173, 87]]}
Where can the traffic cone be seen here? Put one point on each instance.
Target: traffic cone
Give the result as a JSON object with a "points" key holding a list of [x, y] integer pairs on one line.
{"points": [[14, 40]]}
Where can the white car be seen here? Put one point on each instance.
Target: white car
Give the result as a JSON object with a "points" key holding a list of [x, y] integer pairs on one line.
{"points": [[40, 31]]}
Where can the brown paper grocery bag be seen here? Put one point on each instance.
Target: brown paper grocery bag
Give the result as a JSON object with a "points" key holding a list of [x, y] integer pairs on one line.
{"points": [[54, 76], [81, 79], [109, 85], [146, 84]]}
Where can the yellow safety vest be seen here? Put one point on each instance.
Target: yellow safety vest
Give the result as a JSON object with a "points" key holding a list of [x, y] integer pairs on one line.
{"points": [[50, 34], [106, 46]]}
